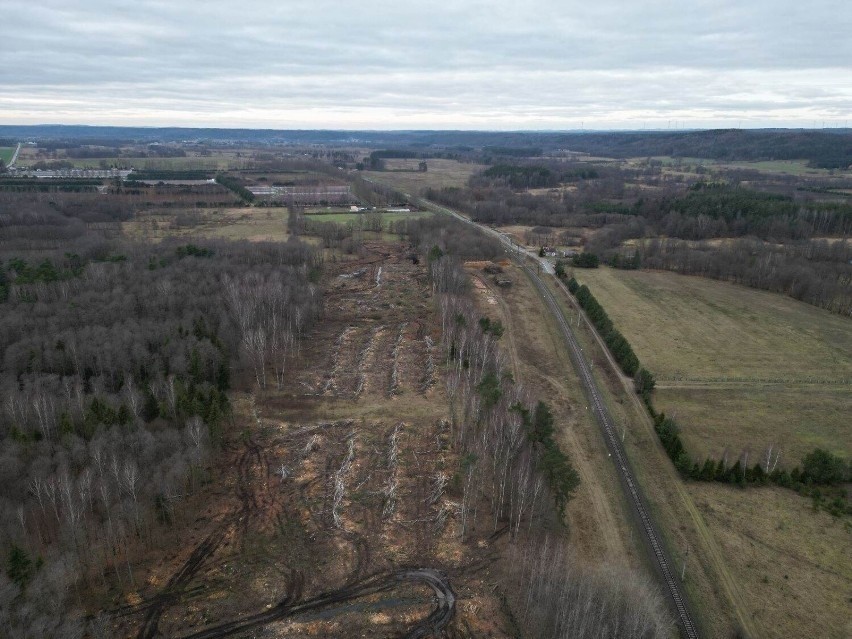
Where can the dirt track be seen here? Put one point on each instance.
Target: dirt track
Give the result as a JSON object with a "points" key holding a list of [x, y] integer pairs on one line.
{"points": [[332, 603]]}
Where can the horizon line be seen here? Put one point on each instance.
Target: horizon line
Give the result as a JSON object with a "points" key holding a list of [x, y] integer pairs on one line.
{"points": [[433, 130]]}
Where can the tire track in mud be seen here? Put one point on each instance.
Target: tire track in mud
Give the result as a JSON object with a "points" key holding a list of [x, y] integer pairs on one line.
{"points": [[177, 584], [330, 602], [252, 460], [359, 365]]}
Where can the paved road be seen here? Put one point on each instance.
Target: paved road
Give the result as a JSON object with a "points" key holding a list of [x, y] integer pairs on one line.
{"points": [[516, 249], [14, 156], [622, 463]]}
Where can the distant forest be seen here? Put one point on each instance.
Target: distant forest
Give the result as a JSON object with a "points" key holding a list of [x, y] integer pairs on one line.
{"points": [[827, 148], [780, 233]]}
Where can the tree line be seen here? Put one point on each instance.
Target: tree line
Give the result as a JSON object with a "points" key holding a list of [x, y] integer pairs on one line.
{"points": [[617, 344], [702, 211], [538, 175], [771, 239], [827, 146], [507, 446], [817, 272], [462, 241], [235, 185], [554, 594]]}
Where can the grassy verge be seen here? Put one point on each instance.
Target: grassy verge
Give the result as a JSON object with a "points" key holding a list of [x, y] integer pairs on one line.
{"points": [[598, 521]]}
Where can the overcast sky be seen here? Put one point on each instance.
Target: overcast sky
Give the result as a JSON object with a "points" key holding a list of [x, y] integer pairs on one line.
{"points": [[427, 65]]}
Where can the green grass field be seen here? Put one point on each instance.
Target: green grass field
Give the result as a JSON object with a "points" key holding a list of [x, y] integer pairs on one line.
{"points": [[789, 167], [6, 153], [798, 168], [739, 368]]}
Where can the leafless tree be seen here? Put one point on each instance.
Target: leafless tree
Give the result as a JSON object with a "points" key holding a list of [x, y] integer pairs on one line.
{"points": [[555, 595]]}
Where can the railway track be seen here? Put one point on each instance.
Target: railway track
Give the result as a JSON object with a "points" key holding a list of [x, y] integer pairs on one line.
{"points": [[616, 448], [622, 463]]}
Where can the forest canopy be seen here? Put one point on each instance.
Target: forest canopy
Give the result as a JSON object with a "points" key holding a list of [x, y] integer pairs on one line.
{"points": [[116, 362]]}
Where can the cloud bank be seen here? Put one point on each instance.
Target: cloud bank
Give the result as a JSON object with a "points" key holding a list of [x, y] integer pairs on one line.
{"points": [[466, 65]]}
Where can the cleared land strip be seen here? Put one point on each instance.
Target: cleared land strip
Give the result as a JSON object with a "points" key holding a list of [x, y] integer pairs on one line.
{"points": [[647, 527], [620, 457]]}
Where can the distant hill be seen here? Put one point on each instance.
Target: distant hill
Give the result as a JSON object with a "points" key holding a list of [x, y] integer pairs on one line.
{"points": [[828, 148]]}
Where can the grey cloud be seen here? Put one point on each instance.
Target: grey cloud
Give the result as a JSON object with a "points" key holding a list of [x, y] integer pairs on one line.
{"points": [[384, 64]]}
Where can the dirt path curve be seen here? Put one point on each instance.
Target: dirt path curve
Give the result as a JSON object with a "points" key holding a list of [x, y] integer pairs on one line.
{"points": [[178, 584], [333, 602]]}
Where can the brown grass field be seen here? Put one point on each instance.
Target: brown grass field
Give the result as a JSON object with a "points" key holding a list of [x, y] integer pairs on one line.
{"points": [[740, 368], [762, 561], [795, 419], [440, 173], [791, 562], [241, 223]]}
